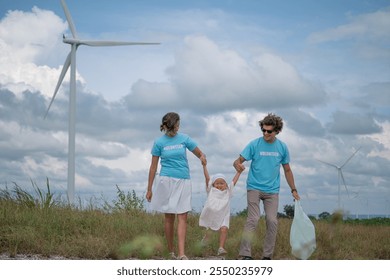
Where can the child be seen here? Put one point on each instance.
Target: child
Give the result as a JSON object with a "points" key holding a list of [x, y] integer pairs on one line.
{"points": [[216, 212]]}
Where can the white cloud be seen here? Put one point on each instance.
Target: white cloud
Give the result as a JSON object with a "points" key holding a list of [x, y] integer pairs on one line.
{"points": [[47, 165], [151, 95], [350, 123], [132, 161], [371, 26], [384, 139], [23, 29], [27, 43], [207, 77], [228, 133]]}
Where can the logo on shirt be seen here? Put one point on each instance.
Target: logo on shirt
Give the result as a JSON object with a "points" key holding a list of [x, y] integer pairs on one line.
{"points": [[269, 154], [173, 147]]}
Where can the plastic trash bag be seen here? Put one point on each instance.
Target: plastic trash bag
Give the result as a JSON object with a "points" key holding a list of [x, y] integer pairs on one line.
{"points": [[302, 234]]}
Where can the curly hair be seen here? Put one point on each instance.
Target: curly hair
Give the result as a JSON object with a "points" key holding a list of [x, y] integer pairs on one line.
{"points": [[169, 121], [274, 120]]}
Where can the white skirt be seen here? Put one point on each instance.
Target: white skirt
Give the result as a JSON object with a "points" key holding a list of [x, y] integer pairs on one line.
{"points": [[172, 195]]}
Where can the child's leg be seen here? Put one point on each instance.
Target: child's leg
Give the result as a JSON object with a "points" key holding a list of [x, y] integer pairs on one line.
{"points": [[223, 231], [206, 237]]}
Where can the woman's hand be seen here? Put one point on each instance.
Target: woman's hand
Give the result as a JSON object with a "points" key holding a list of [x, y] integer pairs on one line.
{"points": [[199, 154], [149, 195]]}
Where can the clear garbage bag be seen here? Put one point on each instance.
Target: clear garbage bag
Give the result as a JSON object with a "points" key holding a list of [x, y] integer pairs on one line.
{"points": [[302, 234]]}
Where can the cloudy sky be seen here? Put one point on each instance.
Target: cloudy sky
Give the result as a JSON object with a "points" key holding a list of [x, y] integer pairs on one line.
{"points": [[324, 66]]}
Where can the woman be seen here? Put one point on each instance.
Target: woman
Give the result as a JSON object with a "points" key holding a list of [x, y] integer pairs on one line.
{"points": [[173, 191]]}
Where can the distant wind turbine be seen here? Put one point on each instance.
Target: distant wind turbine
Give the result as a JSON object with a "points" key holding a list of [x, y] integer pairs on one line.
{"points": [[75, 42], [340, 175]]}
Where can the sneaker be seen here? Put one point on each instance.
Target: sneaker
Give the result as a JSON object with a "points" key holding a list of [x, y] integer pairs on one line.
{"points": [[221, 251], [184, 257], [245, 258], [172, 256]]}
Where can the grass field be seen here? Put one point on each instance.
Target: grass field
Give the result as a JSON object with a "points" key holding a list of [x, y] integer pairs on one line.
{"points": [[38, 223]]}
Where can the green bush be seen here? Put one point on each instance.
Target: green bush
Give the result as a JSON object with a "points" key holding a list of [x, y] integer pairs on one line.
{"points": [[125, 202]]}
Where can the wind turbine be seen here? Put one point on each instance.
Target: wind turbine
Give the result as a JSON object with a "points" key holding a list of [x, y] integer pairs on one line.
{"points": [[70, 61], [340, 174]]}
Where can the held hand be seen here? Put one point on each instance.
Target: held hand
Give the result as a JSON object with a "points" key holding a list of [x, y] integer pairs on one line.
{"points": [[239, 167], [203, 159]]}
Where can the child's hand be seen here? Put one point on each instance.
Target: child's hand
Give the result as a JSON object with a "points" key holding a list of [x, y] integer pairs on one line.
{"points": [[238, 164], [203, 159], [239, 167]]}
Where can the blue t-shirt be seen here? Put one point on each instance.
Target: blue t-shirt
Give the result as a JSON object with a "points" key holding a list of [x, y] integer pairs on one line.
{"points": [[264, 172], [173, 154]]}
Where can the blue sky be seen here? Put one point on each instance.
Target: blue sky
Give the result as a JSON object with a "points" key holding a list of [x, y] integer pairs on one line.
{"points": [[324, 66]]}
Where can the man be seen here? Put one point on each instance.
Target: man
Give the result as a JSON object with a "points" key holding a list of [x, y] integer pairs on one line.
{"points": [[267, 153]]}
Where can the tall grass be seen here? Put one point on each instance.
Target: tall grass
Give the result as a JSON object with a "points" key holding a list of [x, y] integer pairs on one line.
{"points": [[40, 223], [40, 198]]}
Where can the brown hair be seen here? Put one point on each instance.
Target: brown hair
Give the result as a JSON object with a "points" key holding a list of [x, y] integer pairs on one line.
{"points": [[274, 120], [169, 121]]}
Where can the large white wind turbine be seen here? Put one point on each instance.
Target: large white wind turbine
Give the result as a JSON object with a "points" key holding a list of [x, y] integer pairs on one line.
{"points": [[75, 42], [340, 175]]}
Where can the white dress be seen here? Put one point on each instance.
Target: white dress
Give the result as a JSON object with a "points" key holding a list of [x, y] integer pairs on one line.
{"points": [[216, 212]]}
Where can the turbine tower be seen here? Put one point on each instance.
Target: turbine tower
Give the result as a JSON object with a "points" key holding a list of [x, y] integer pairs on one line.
{"points": [[340, 175], [70, 61]]}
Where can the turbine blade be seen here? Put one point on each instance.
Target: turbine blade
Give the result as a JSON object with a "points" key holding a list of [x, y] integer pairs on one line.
{"points": [[350, 157], [69, 19], [61, 78], [331, 164], [113, 43], [345, 185]]}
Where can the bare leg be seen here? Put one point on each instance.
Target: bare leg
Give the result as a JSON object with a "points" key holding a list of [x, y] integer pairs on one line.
{"points": [[181, 232], [169, 230], [223, 232], [206, 238]]}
